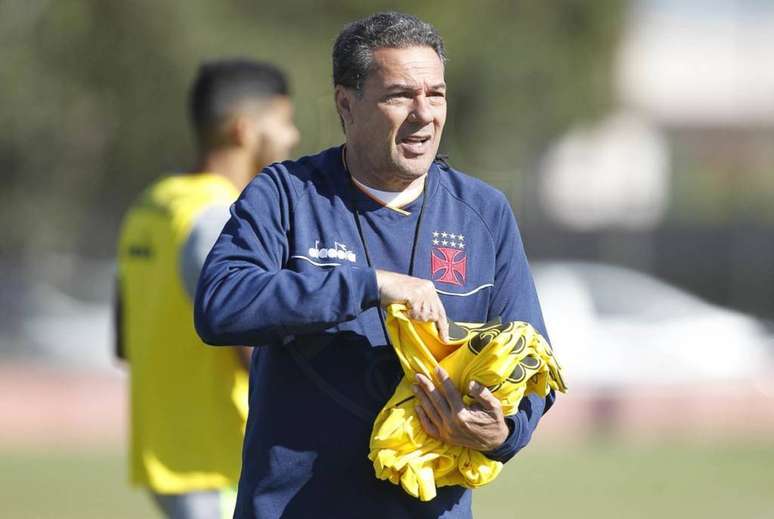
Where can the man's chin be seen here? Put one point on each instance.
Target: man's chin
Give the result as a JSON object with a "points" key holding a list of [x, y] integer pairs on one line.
{"points": [[414, 167]]}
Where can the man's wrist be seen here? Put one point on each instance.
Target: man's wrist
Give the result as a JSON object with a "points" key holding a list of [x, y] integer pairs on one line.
{"points": [[505, 431], [496, 453]]}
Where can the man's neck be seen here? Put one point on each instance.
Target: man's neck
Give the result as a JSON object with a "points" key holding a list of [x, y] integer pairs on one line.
{"points": [[381, 180], [234, 165], [394, 198]]}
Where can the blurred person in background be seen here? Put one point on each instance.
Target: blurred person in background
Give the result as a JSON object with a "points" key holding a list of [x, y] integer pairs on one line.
{"points": [[314, 247], [189, 402]]}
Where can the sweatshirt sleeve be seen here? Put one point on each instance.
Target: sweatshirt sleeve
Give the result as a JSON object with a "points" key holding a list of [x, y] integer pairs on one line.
{"points": [[246, 295], [514, 298]]}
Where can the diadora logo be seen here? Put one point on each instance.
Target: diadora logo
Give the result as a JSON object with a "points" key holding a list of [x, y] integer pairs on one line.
{"points": [[338, 251]]}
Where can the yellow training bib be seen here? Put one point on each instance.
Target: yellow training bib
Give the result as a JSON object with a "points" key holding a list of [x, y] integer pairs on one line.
{"points": [[510, 359], [188, 400]]}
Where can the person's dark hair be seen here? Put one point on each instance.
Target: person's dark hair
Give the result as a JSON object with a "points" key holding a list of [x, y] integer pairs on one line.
{"points": [[222, 86], [353, 50]]}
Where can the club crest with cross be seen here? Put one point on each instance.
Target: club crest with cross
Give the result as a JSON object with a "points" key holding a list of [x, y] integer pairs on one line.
{"points": [[448, 261]]}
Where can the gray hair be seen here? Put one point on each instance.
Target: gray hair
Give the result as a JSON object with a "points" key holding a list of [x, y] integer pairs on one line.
{"points": [[353, 50]]}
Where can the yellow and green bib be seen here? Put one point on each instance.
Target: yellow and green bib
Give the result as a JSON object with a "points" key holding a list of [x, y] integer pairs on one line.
{"points": [[188, 400]]}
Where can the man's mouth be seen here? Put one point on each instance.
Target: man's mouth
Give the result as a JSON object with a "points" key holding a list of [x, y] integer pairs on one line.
{"points": [[416, 144]]}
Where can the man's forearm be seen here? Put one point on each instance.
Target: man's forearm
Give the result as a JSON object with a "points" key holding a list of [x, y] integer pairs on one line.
{"points": [[247, 306]]}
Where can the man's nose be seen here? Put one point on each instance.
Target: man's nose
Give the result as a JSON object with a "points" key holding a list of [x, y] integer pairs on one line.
{"points": [[422, 113]]}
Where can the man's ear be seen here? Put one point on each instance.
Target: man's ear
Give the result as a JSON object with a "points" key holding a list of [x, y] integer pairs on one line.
{"points": [[242, 131], [343, 97]]}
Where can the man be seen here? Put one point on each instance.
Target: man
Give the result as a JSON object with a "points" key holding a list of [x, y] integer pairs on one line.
{"points": [[314, 248], [188, 402]]}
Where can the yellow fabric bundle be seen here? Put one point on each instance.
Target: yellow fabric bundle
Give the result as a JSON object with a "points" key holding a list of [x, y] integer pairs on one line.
{"points": [[510, 359]]}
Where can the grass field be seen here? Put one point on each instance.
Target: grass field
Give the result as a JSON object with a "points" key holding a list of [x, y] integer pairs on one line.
{"points": [[633, 482], [616, 480]]}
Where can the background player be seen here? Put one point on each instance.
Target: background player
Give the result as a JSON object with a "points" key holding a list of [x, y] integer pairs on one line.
{"points": [[189, 402]]}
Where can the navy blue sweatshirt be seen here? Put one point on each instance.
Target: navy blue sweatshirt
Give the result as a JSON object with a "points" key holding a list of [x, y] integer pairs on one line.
{"points": [[293, 273]]}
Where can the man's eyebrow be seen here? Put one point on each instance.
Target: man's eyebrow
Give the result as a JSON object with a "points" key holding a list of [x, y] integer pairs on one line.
{"points": [[402, 86], [413, 87]]}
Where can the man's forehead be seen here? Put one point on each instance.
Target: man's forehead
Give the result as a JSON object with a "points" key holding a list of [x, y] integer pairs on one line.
{"points": [[410, 67]]}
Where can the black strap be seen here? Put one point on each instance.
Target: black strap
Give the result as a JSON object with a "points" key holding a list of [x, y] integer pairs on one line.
{"points": [[305, 366], [364, 242]]}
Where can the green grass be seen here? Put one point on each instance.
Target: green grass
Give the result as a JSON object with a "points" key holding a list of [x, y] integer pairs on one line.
{"points": [[69, 485], [632, 482], [620, 481]]}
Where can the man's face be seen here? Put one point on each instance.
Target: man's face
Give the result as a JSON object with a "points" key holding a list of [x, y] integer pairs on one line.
{"points": [[275, 133], [397, 121]]}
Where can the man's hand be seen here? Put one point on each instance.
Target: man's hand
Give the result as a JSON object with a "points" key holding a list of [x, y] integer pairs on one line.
{"points": [[444, 416], [418, 295]]}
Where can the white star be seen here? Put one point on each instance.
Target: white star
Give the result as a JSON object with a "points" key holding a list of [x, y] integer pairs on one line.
{"points": [[453, 244], [444, 234], [462, 245], [461, 237], [435, 234], [444, 242], [435, 242], [453, 236]]}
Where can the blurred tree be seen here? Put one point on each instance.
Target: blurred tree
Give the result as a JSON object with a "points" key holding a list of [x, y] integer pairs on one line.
{"points": [[92, 103]]}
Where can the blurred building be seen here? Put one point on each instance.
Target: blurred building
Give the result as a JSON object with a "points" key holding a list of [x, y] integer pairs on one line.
{"points": [[698, 65], [679, 179]]}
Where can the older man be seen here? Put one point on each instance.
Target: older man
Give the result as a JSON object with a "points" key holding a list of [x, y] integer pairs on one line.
{"points": [[315, 247]]}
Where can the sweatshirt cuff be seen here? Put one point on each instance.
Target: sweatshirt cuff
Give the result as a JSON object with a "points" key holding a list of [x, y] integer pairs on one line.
{"points": [[521, 425], [510, 446], [365, 279]]}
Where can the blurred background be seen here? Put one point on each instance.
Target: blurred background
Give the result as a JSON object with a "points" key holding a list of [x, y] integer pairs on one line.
{"points": [[635, 140]]}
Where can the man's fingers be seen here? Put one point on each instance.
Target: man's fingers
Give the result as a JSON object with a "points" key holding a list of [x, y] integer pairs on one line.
{"points": [[427, 424], [453, 397], [481, 394], [434, 401], [441, 322], [443, 329], [427, 311], [421, 311], [425, 402]]}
